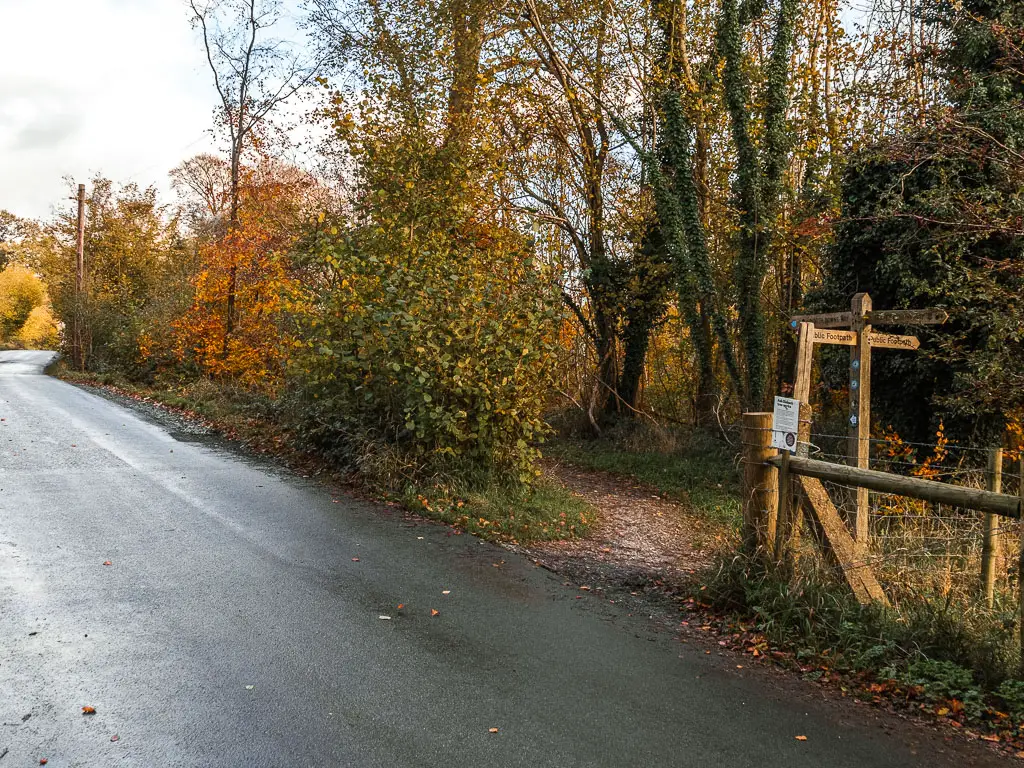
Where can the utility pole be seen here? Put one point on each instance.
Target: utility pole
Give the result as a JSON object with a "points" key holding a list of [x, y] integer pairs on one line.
{"points": [[78, 347]]}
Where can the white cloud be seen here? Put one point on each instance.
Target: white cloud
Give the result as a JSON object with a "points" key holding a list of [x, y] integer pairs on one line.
{"points": [[90, 86]]}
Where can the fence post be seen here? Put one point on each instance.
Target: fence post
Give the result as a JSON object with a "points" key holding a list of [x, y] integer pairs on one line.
{"points": [[787, 529], [759, 479], [990, 544]]}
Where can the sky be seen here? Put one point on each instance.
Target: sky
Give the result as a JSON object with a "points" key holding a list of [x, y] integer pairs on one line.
{"points": [[118, 87]]}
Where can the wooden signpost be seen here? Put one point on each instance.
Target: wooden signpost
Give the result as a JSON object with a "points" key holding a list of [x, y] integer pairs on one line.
{"points": [[861, 339]]}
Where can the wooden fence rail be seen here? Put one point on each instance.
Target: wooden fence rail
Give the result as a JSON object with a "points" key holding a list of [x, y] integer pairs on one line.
{"points": [[914, 487], [798, 492]]}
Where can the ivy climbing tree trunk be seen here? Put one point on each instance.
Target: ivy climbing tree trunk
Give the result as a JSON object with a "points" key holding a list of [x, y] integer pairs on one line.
{"points": [[758, 182], [679, 212]]}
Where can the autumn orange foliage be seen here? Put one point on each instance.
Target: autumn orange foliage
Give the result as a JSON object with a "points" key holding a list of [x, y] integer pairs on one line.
{"points": [[257, 250]]}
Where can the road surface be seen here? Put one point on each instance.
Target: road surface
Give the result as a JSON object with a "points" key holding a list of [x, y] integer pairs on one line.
{"points": [[235, 627]]}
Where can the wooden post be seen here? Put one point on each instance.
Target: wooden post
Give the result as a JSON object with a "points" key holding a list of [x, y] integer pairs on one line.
{"points": [[990, 544], [784, 517], [80, 250], [838, 545], [860, 408], [901, 485], [790, 514], [787, 530], [759, 480], [804, 362]]}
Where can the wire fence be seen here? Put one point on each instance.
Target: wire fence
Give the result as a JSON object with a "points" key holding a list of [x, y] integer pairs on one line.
{"points": [[924, 550]]}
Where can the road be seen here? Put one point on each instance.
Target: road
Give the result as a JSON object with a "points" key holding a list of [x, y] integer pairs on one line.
{"points": [[239, 624]]}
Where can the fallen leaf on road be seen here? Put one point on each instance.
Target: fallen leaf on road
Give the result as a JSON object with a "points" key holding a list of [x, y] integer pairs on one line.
{"points": [[115, 737], [492, 730], [43, 761], [88, 710], [991, 737], [107, 562], [801, 738], [434, 612], [249, 687], [385, 618], [401, 606], [446, 591], [355, 559]]}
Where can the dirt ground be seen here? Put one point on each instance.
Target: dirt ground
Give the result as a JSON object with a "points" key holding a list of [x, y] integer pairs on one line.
{"points": [[640, 539]]}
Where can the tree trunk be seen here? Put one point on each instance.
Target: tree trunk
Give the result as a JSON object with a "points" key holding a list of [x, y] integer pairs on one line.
{"points": [[706, 401], [791, 290], [467, 24], [236, 166]]}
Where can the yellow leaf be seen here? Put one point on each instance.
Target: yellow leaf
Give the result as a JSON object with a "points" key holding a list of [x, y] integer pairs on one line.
{"points": [[801, 738]]}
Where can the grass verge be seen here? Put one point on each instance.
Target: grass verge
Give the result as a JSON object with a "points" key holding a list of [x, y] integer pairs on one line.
{"points": [[546, 511]]}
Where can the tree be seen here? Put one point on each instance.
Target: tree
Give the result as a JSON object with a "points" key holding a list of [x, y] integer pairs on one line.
{"points": [[8, 222], [575, 173], [759, 171], [254, 74], [253, 259], [21, 292], [932, 218], [136, 267], [203, 184]]}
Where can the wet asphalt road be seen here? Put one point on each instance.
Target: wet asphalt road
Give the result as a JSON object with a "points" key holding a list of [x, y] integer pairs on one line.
{"points": [[234, 628]]}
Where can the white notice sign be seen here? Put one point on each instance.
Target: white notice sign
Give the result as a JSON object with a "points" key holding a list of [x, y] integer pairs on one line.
{"points": [[785, 423]]}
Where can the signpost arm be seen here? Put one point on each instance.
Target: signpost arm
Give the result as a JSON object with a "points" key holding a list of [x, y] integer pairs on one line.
{"points": [[860, 408]]}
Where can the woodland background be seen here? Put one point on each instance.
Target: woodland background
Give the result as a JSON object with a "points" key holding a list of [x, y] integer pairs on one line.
{"points": [[586, 214]]}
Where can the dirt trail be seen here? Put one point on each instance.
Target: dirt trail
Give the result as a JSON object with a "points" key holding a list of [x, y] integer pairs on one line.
{"points": [[639, 537]]}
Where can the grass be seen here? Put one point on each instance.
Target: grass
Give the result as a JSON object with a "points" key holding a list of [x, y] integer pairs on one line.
{"points": [[694, 469], [948, 658]]}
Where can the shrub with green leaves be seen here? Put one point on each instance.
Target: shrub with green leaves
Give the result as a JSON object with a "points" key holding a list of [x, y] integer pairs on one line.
{"points": [[429, 340], [434, 362], [944, 681]]}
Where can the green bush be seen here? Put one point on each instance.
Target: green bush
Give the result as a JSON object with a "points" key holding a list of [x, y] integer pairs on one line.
{"points": [[1012, 694], [944, 681], [427, 349], [428, 364]]}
